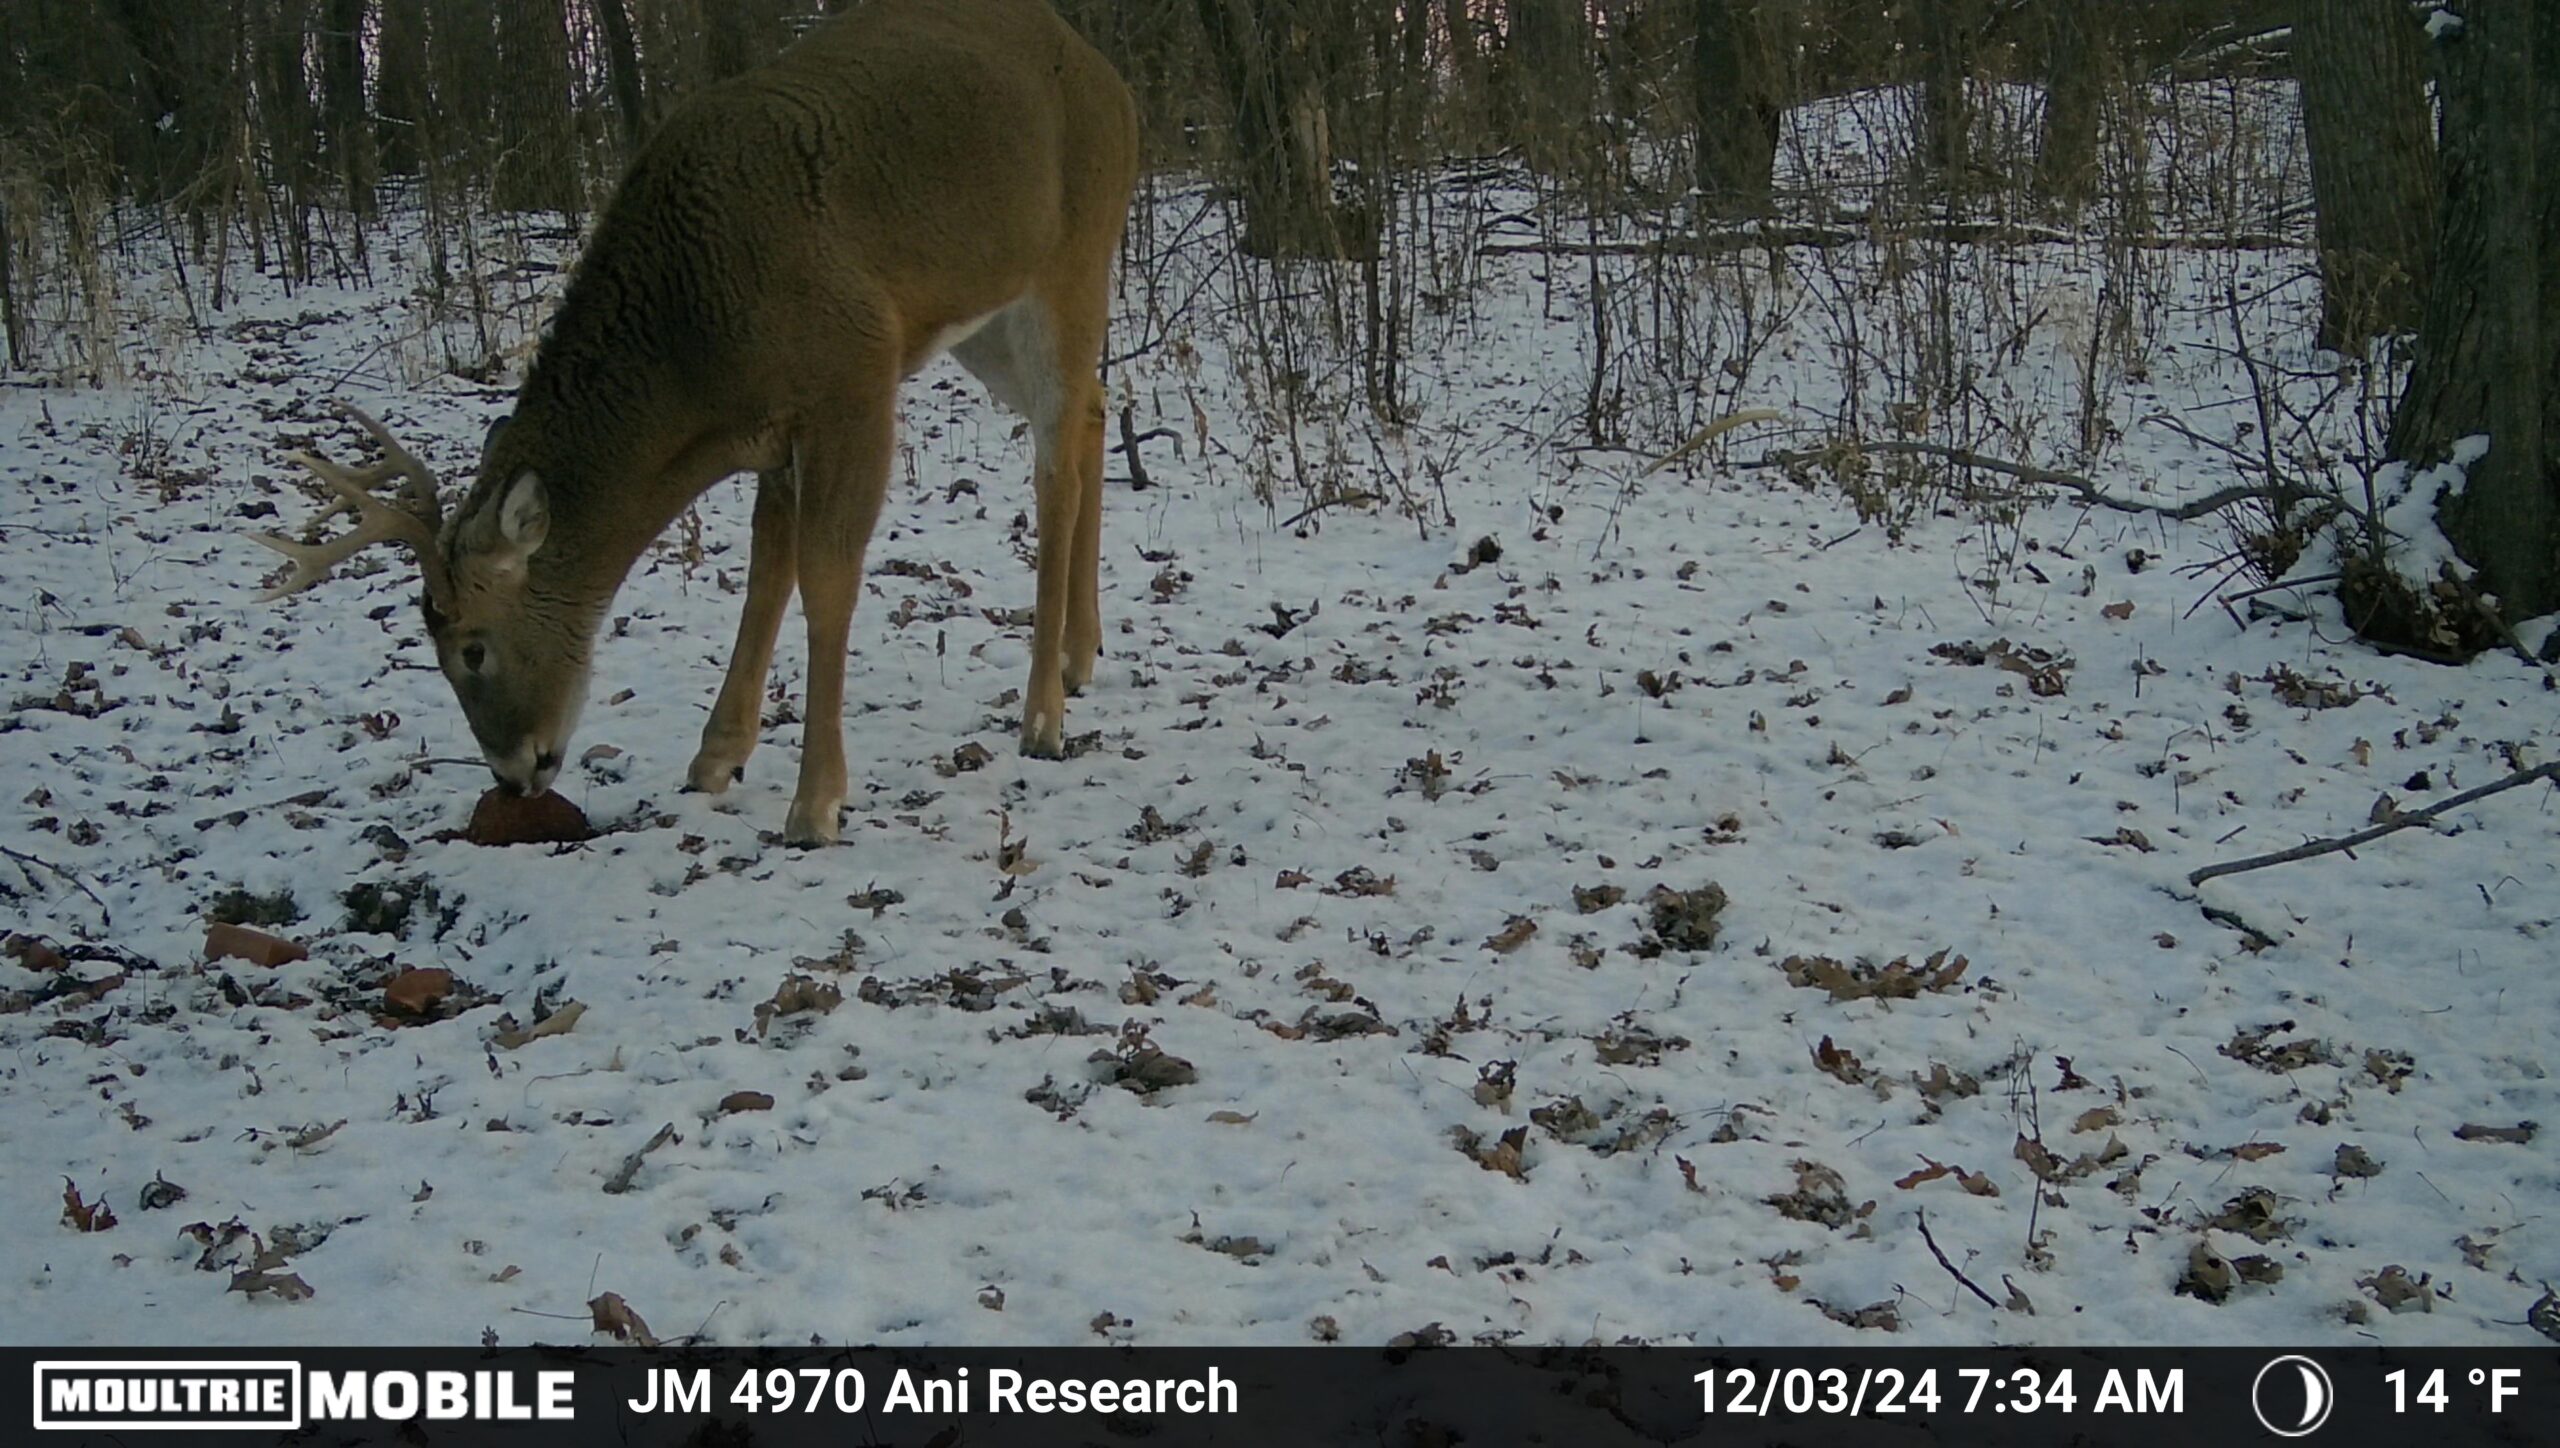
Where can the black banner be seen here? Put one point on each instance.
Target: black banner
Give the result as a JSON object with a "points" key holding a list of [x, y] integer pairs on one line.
{"points": [[1159, 1397]]}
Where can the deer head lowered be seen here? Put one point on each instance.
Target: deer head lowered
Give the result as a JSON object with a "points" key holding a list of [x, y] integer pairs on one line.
{"points": [[912, 177]]}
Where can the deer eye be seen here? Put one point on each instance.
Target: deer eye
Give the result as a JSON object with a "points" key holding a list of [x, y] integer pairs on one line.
{"points": [[475, 656]]}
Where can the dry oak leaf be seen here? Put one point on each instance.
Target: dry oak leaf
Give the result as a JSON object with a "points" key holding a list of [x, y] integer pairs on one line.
{"points": [[1503, 1154], [257, 947], [83, 1216], [737, 1101], [613, 1315], [1972, 1181], [1838, 1061], [511, 1037], [1512, 936]]}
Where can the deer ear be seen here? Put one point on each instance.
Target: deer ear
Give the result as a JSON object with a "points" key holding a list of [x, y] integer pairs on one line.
{"points": [[524, 513]]}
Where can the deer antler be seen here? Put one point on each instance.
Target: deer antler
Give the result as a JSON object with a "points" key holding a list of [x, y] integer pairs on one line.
{"points": [[413, 521]]}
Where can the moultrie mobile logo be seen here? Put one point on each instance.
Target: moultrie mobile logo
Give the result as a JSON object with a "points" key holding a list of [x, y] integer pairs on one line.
{"points": [[141, 1396]]}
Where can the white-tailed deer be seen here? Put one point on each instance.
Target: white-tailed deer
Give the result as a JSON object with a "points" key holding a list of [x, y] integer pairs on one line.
{"points": [[913, 177]]}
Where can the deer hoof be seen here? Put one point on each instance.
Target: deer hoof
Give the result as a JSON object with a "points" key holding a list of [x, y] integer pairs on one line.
{"points": [[713, 774], [810, 826], [1043, 738]]}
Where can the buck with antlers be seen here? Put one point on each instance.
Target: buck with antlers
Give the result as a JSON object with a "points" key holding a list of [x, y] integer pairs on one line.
{"points": [[913, 177]]}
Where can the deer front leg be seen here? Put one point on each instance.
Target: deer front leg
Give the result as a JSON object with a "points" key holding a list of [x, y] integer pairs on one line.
{"points": [[844, 475], [772, 571]]}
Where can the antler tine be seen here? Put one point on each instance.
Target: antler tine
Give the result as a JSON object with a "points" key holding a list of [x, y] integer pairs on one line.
{"points": [[380, 522], [420, 489], [413, 525]]}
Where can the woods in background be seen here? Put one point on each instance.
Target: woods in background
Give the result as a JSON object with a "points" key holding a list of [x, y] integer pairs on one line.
{"points": [[277, 134]]}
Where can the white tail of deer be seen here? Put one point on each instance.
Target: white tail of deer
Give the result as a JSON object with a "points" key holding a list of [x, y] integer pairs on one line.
{"points": [[913, 177]]}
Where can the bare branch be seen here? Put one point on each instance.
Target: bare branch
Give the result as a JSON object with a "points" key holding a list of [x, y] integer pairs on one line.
{"points": [[2397, 822], [1969, 1283]]}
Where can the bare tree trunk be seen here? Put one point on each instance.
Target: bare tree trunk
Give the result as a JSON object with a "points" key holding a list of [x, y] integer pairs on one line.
{"points": [[2488, 348], [342, 84], [1547, 68], [177, 84], [537, 136], [400, 87], [284, 106], [1466, 53], [9, 293], [1262, 53], [463, 80], [728, 38], [1734, 73], [2362, 66], [622, 59], [2078, 55], [1948, 46]]}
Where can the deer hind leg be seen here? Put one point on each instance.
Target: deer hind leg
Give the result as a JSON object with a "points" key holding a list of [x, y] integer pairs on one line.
{"points": [[772, 572], [1084, 585], [1016, 356], [844, 476]]}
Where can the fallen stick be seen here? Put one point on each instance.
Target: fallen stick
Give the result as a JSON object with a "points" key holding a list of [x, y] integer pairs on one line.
{"points": [[33, 862], [1824, 237], [629, 1171], [1969, 1283], [2087, 491], [2398, 822]]}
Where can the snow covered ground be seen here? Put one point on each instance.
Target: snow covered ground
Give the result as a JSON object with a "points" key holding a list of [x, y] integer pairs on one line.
{"points": [[1363, 839]]}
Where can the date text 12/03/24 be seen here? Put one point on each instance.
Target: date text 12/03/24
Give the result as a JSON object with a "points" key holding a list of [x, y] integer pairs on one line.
{"points": [[1857, 1392]]}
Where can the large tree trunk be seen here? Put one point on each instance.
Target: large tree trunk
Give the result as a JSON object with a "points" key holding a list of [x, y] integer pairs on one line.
{"points": [[283, 88], [400, 87], [728, 38], [2488, 347], [1265, 61], [538, 139], [2364, 119], [178, 83], [622, 60], [342, 86], [1949, 36], [1735, 76], [2078, 55], [1547, 70], [463, 81]]}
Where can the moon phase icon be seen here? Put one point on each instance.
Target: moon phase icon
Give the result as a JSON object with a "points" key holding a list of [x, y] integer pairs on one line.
{"points": [[2292, 1396]]}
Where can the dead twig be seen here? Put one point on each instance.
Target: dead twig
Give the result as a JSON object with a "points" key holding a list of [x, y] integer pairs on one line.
{"points": [[39, 862], [1969, 1284], [2397, 822], [623, 1175]]}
